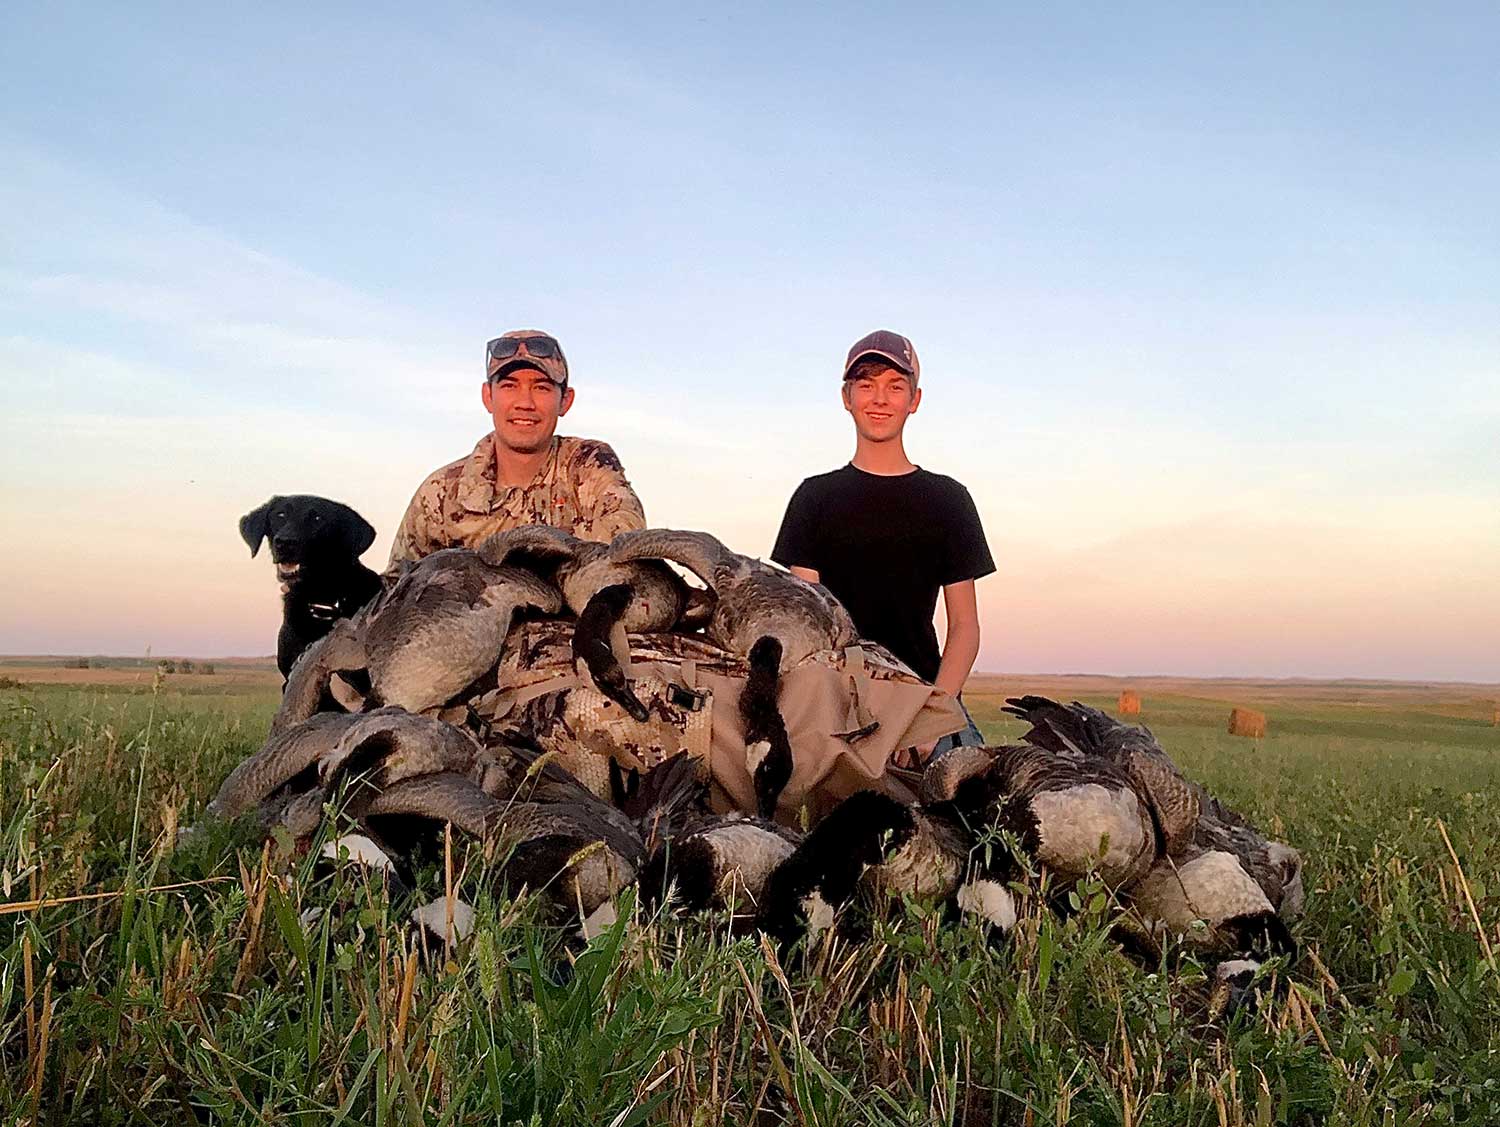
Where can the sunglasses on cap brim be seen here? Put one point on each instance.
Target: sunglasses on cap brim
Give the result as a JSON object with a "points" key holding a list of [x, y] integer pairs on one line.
{"points": [[539, 348]]}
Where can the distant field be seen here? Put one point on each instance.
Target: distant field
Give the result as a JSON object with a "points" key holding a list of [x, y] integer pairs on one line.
{"points": [[210, 1003]]}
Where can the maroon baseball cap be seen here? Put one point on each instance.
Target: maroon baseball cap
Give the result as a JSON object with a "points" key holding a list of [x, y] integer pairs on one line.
{"points": [[888, 346]]}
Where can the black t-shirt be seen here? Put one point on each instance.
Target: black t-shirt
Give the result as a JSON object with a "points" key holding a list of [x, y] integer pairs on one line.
{"points": [[885, 546]]}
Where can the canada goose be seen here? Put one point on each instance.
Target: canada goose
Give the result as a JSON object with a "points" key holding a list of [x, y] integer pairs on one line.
{"points": [[1076, 729], [1077, 814], [287, 759], [572, 853], [874, 841], [720, 862], [597, 848], [1229, 890], [409, 815], [640, 596], [705, 860], [659, 598], [443, 624], [554, 836], [395, 745], [754, 599], [768, 748], [308, 684], [1223, 904], [426, 638], [593, 644]]}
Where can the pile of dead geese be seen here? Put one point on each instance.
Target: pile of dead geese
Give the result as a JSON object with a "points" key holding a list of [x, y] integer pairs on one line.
{"points": [[369, 756]]}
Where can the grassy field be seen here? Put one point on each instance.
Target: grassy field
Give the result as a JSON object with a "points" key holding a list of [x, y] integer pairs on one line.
{"points": [[138, 1002]]}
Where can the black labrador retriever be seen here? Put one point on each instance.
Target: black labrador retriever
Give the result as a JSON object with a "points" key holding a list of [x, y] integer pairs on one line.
{"points": [[316, 544]]}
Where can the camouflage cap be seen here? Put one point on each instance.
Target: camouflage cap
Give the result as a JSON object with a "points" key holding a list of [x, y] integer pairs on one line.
{"points": [[526, 348], [889, 346]]}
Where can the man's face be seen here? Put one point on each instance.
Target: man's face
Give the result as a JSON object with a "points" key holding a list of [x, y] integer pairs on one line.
{"points": [[525, 405], [879, 403]]}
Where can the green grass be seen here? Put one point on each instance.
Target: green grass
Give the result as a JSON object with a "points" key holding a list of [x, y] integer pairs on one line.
{"points": [[211, 1002]]}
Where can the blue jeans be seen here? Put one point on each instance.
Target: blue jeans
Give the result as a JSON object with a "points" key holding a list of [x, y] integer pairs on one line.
{"points": [[969, 737]]}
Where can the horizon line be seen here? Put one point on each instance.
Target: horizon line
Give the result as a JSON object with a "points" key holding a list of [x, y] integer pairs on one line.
{"points": [[270, 660]]}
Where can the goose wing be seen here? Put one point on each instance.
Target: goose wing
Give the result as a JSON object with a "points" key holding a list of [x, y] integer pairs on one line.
{"points": [[442, 581], [704, 555], [515, 588], [342, 648], [434, 799], [402, 745], [544, 786], [941, 780], [1077, 729], [283, 757], [540, 540]]}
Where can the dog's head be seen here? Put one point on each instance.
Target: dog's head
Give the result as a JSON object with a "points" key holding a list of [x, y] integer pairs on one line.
{"points": [[307, 531]]}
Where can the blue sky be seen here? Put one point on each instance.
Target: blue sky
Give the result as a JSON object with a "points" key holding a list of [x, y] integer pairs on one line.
{"points": [[1208, 304]]}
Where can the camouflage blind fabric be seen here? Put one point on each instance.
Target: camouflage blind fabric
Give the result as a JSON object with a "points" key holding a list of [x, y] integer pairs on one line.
{"points": [[846, 711], [581, 489]]}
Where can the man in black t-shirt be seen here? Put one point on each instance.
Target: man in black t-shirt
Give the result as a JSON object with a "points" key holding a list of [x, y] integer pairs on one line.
{"points": [[885, 535]]}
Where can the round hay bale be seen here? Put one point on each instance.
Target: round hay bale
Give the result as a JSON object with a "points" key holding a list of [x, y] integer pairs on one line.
{"points": [[1247, 722], [1130, 703]]}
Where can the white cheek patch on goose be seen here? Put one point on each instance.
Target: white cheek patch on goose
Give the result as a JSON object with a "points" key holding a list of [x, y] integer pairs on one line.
{"points": [[1232, 968], [433, 917], [360, 850], [755, 754], [598, 921], [818, 912], [990, 900]]}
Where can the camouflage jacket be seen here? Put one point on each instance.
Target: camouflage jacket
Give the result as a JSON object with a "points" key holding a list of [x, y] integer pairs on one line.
{"points": [[581, 488]]}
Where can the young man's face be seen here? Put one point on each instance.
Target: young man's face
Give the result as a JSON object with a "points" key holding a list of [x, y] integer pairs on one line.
{"points": [[879, 402], [525, 405]]}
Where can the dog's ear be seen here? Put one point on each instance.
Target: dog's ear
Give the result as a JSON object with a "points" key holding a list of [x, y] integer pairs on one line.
{"points": [[358, 532], [255, 526]]}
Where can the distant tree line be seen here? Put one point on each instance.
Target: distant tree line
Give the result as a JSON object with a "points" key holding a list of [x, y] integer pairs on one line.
{"points": [[185, 666], [166, 665]]}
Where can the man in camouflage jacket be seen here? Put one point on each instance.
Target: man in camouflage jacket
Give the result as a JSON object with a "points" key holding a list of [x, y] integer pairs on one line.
{"points": [[521, 472]]}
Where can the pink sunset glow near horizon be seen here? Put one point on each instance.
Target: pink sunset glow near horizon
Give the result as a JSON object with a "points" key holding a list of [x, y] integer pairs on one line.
{"points": [[1217, 356]]}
